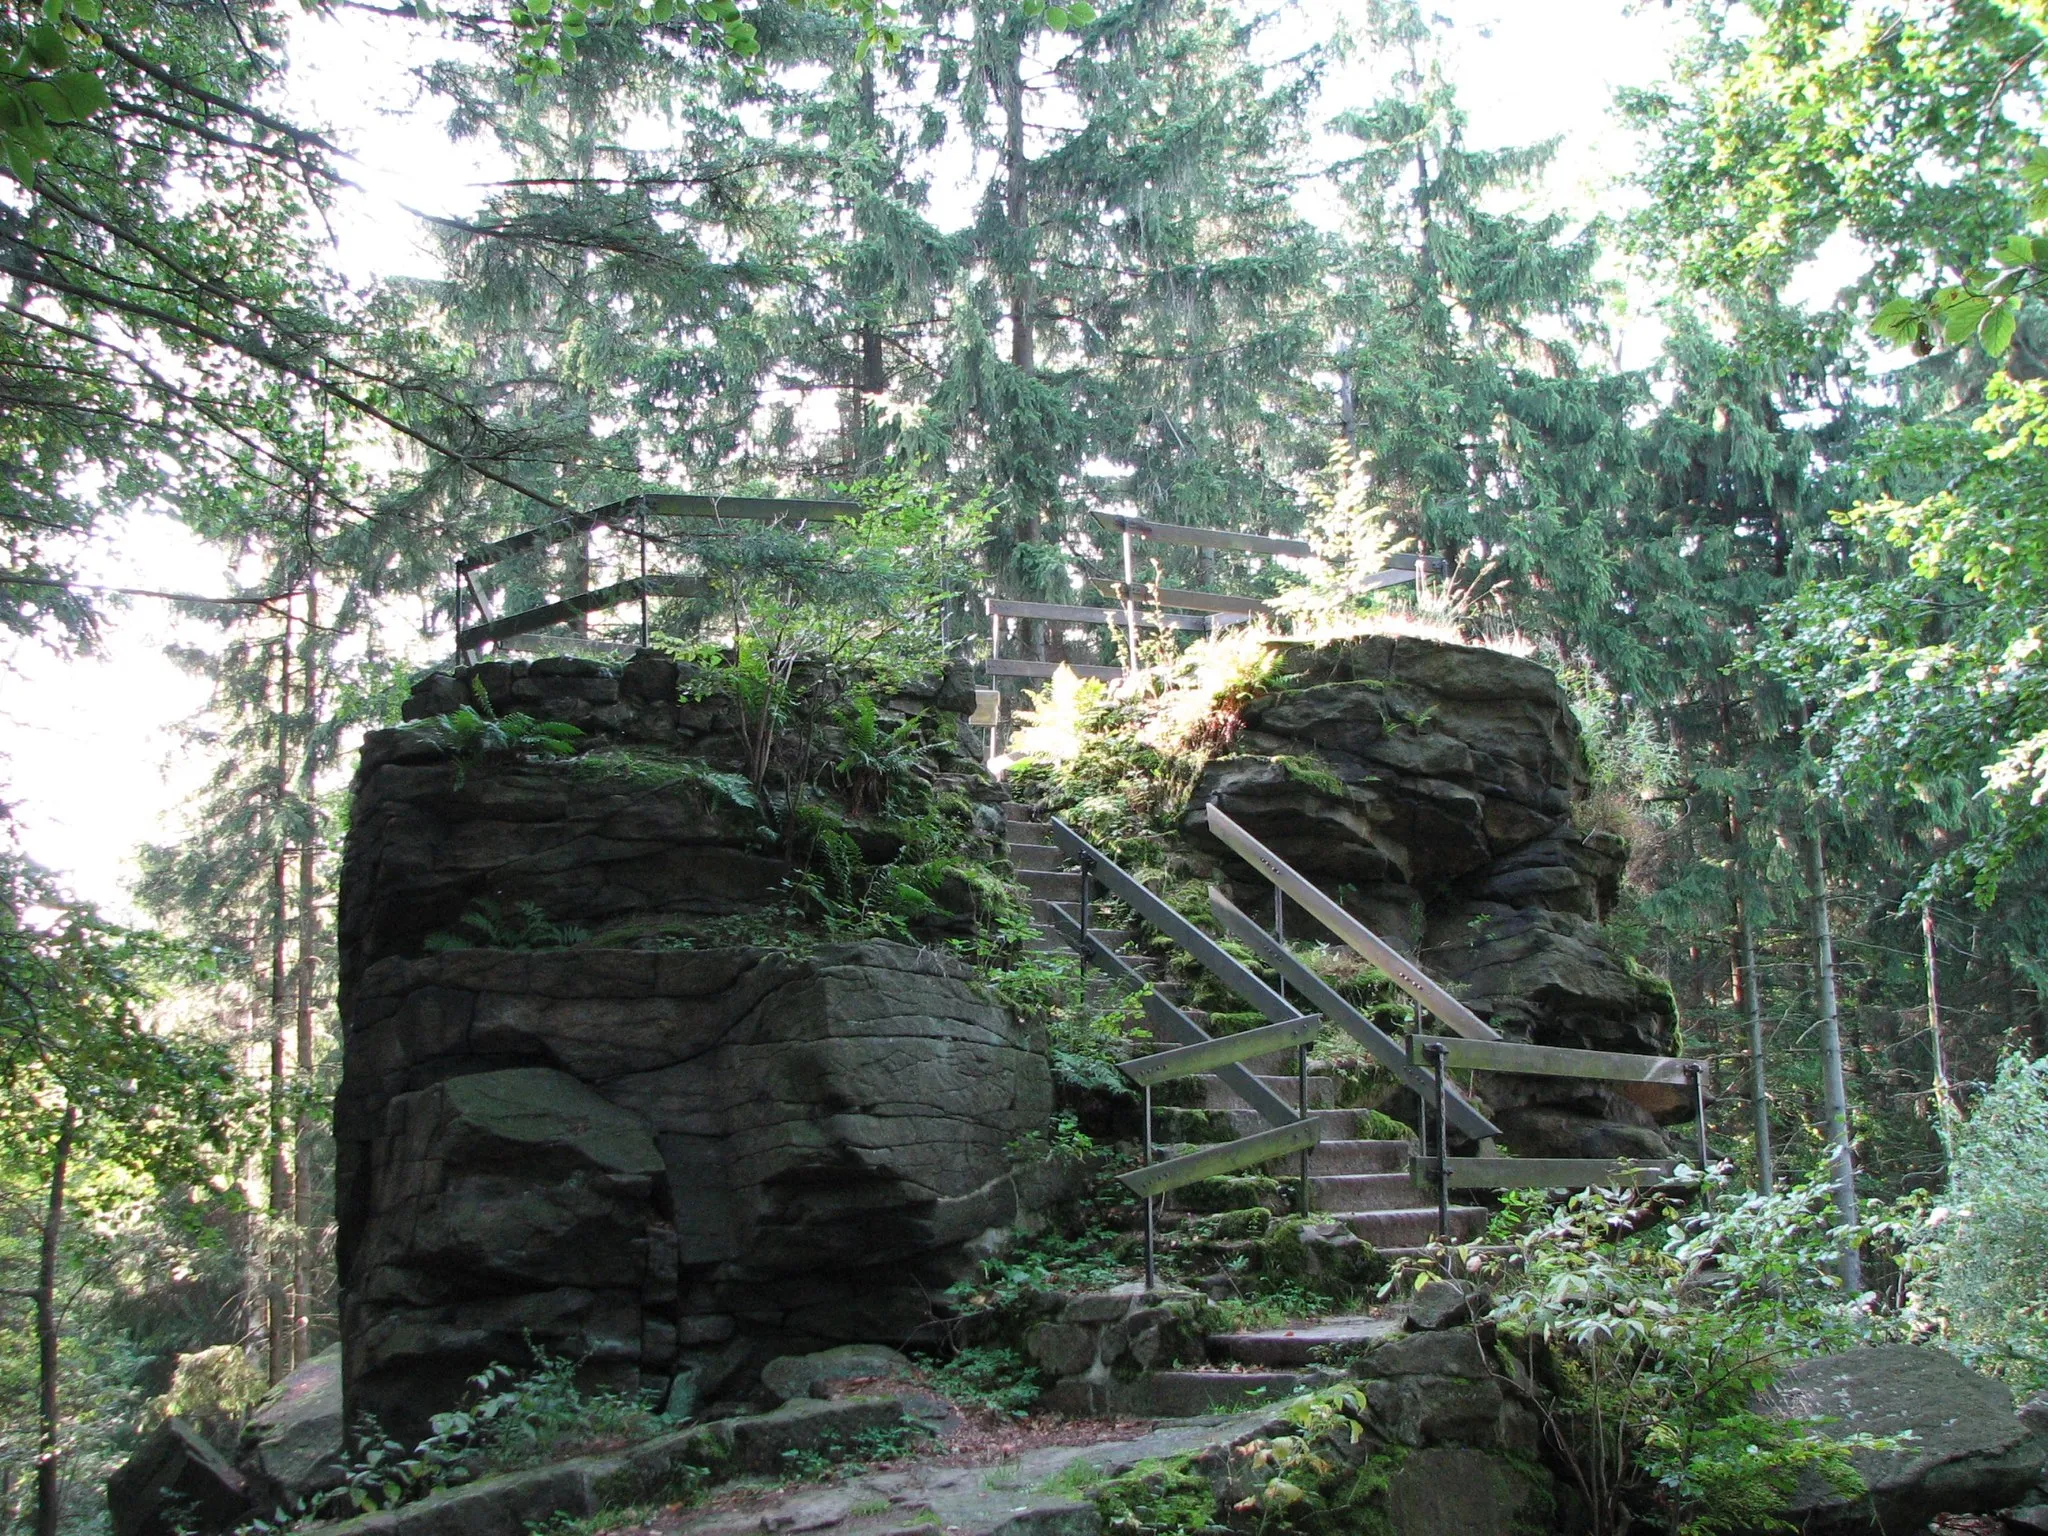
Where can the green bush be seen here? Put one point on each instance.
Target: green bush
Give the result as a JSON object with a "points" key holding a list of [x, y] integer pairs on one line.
{"points": [[1989, 1280]]}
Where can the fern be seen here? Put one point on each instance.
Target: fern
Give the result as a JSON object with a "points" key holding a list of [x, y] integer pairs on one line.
{"points": [[487, 925], [470, 733]]}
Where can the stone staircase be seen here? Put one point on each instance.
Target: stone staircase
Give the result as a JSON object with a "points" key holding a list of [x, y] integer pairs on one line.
{"points": [[1361, 1182]]}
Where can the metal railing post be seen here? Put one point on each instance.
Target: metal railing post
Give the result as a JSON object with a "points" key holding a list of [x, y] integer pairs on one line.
{"points": [[1301, 1103], [1151, 1260], [1443, 1147], [1087, 894], [1699, 1110], [1280, 933]]}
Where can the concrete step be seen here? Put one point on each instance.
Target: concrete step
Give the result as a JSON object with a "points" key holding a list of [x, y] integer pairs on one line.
{"points": [[1034, 856], [1052, 884], [1414, 1227], [1016, 811], [1180, 1394], [1279, 1348], [1046, 944], [1335, 1155], [1016, 832], [1322, 1091], [1353, 1192]]}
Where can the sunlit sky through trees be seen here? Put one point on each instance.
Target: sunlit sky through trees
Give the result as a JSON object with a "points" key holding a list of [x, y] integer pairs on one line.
{"points": [[92, 757]]}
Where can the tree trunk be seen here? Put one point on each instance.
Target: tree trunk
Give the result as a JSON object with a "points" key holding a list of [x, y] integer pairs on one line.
{"points": [[278, 1309], [1831, 1056], [1753, 1003], [47, 1491], [1944, 1093], [1016, 213], [309, 942]]}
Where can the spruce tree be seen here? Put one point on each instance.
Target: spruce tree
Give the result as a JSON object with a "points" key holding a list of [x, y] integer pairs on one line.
{"points": [[1457, 333]]}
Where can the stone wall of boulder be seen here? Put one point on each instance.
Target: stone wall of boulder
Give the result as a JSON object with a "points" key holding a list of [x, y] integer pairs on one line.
{"points": [[667, 1158], [1432, 788]]}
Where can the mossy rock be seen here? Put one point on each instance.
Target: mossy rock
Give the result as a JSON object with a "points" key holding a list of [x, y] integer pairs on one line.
{"points": [[1234, 1192], [1377, 1125], [1319, 1255], [1196, 1125], [1253, 1221]]}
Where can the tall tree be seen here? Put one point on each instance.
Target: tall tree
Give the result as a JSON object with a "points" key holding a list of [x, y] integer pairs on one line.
{"points": [[1457, 330]]}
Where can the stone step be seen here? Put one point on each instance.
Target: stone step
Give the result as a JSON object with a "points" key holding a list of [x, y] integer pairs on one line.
{"points": [[1322, 1091], [1414, 1227], [1041, 913], [1052, 884], [1338, 1124], [1335, 1155], [1019, 832], [1297, 1346], [1046, 944], [1016, 811], [1034, 856], [1354, 1192], [1180, 1394]]}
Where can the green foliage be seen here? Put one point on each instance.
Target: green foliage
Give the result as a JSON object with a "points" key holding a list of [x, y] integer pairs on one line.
{"points": [[1323, 1478], [643, 769], [1310, 771], [1086, 1039], [1949, 710], [513, 1419], [1983, 1244], [487, 925], [1157, 1498], [1045, 1262], [877, 762], [1661, 1340], [837, 1458], [993, 1378], [473, 732], [43, 86]]}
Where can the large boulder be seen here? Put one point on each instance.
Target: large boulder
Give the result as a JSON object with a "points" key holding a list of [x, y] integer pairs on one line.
{"points": [[665, 1164], [1957, 1447], [292, 1445], [175, 1482]]}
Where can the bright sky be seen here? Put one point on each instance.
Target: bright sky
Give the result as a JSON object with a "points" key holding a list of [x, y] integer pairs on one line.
{"points": [[93, 762]]}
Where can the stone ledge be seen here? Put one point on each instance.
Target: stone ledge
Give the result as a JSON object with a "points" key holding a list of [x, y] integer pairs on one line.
{"points": [[511, 1502]]}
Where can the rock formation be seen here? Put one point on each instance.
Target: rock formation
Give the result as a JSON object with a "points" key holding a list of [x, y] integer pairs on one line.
{"points": [[666, 1157], [1431, 787]]}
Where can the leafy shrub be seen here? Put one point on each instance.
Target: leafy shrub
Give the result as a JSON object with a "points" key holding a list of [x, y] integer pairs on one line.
{"points": [[1658, 1342], [1315, 1479], [1985, 1245]]}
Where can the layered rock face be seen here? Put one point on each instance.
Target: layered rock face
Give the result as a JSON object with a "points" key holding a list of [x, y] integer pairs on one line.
{"points": [[664, 1161], [1430, 787]]}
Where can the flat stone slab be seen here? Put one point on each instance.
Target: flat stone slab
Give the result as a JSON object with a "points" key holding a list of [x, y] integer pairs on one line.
{"points": [[1039, 1493], [1961, 1449], [1297, 1346], [1181, 1394]]}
